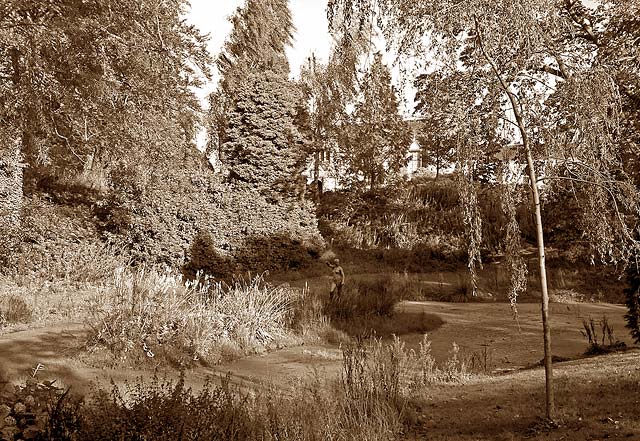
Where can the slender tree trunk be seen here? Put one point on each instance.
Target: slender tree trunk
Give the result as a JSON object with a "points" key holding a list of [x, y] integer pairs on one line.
{"points": [[535, 196], [546, 327]]}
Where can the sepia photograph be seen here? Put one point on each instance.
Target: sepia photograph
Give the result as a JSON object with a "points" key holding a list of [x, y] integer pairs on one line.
{"points": [[340, 220]]}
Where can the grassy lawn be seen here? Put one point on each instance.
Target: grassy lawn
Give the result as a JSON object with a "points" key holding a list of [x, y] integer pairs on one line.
{"points": [[597, 398]]}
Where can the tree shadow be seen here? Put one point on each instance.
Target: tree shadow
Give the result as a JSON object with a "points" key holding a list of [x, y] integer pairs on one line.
{"points": [[275, 252], [49, 354]]}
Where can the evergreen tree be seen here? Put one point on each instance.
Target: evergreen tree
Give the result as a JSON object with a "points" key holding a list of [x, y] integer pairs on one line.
{"points": [[261, 144], [261, 32], [377, 137], [263, 141], [632, 294]]}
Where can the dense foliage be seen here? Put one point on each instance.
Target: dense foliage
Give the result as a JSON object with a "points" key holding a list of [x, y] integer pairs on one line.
{"points": [[261, 32], [263, 144], [376, 138], [632, 295], [99, 87]]}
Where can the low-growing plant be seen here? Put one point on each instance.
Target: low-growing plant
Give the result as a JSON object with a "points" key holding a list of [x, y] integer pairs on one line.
{"points": [[149, 314], [38, 410], [377, 369], [165, 409], [14, 309], [306, 314], [368, 402], [596, 332], [88, 262], [366, 297], [455, 369]]}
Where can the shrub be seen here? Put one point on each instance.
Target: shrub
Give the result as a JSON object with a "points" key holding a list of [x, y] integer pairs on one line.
{"points": [[277, 252], [162, 410], [168, 410], [443, 194], [632, 300], [13, 309], [368, 402], [38, 410], [150, 314], [362, 298], [204, 258], [86, 261]]}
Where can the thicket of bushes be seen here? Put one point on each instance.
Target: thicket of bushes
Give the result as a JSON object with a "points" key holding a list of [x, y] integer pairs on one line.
{"points": [[200, 222], [418, 224]]}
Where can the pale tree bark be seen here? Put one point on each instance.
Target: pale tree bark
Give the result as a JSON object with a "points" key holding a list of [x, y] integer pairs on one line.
{"points": [[535, 199]]}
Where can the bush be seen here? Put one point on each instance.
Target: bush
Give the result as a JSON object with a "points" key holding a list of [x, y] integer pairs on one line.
{"points": [[153, 315], [442, 194], [632, 300], [87, 261], [166, 410], [368, 402], [205, 259], [278, 252], [365, 297], [38, 410], [14, 309]]}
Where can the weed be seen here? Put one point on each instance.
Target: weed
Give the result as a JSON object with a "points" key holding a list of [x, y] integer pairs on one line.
{"points": [[455, 369], [165, 409], [596, 332]]}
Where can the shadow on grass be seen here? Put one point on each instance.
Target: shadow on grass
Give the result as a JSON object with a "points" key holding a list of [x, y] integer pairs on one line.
{"points": [[384, 326]]}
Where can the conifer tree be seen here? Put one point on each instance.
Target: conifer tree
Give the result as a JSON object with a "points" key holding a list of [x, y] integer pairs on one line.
{"points": [[377, 138], [261, 143], [262, 30]]}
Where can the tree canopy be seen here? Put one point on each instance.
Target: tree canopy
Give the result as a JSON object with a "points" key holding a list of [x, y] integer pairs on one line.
{"points": [[376, 136], [533, 75], [100, 84]]}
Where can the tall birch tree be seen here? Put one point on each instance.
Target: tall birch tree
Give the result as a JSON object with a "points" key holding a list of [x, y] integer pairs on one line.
{"points": [[532, 67]]}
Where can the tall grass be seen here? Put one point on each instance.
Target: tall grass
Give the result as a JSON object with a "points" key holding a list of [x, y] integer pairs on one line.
{"points": [[149, 313], [14, 309], [370, 401]]}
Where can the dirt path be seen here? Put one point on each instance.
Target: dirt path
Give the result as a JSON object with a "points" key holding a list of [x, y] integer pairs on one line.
{"points": [[58, 349], [485, 330]]}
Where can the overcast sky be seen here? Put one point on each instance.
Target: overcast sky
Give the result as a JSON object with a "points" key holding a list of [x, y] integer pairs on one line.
{"points": [[309, 16]]}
